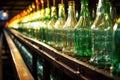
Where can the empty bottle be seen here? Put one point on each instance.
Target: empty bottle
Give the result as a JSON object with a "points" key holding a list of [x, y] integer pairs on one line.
{"points": [[102, 39], [50, 30], [83, 32], [59, 27], [68, 34], [115, 69]]}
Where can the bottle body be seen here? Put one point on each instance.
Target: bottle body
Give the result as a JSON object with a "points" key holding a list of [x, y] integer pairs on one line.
{"points": [[83, 43], [68, 32], [115, 69], [83, 32], [45, 25], [41, 23], [59, 28], [50, 29], [102, 37], [102, 48]]}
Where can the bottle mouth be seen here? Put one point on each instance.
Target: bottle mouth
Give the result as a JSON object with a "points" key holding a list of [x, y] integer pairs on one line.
{"points": [[71, 3], [60, 4]]}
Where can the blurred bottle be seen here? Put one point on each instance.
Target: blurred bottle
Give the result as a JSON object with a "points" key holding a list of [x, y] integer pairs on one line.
{"points": [[50, 30], [113, 13], [68, 34], [45, 22], [102, 40], [59, 27], [116, 55], [83, 32], [34, 24], [42, 18]]}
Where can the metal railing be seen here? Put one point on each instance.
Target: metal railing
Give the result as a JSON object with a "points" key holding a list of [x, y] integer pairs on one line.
{"points": [[75, 69]]}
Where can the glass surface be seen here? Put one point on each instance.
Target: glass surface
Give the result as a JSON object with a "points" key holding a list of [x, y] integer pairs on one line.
{"points": [[58, 28], [102, 40], [45, 24], [50, 30], [68, 32], [83, 32], [116, 55], [41, 23]]}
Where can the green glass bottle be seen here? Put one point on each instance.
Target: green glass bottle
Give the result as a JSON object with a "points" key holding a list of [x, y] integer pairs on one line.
{"points": [[45, 22], [50, 32], [68, 34], [41, 30], [115, 69], [83, 32], [59, 27], [102, 40]]}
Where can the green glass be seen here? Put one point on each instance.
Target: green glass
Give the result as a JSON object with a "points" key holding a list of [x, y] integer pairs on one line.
{"points": [[68, 32], [102, 39], [115, 69], [20, 28], [50, 30], [45, 24], [59, 27], [36, 29], [83, 32], [41, 29], [32, 30]]}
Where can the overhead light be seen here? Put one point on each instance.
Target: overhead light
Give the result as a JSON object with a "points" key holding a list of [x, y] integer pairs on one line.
{"points": [[4, 15]]}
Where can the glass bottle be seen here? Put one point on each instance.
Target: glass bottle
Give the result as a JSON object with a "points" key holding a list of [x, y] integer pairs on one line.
{"points": [[50, 32], [102, 40], [42, 17], [59, 27], [115, 69], [68, 28], [83, 32], [45, 23]]}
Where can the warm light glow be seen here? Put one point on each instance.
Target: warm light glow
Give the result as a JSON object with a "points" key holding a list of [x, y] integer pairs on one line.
{"points": [[30, 8], [33, 5], [54, 2], [47, 3], [37, 2], [5, 14], [42, 4], [42, 1], [61, 1]]}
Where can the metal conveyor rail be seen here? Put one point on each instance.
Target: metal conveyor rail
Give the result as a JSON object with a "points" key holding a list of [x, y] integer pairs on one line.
{"points": [[22, 70]]}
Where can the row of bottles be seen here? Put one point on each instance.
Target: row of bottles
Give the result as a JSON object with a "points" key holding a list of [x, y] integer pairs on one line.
{"points": [[96, 39]]}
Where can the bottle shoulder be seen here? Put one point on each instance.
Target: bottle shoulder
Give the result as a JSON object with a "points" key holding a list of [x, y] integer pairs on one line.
{"points": [[59, 23], [83, 22], [102, 22], [70, 23]]}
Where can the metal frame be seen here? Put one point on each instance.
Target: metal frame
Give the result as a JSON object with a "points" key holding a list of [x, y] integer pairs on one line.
{"points": [[76, 69]]}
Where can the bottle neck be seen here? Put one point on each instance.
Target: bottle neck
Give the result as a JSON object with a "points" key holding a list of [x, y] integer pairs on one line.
{"points": [[53, 12], [47, 13], [71, 10], [103, 19], [84, 8], [61, 11], [107, 7], [100, 7], [42, 14], [84, 20]]}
